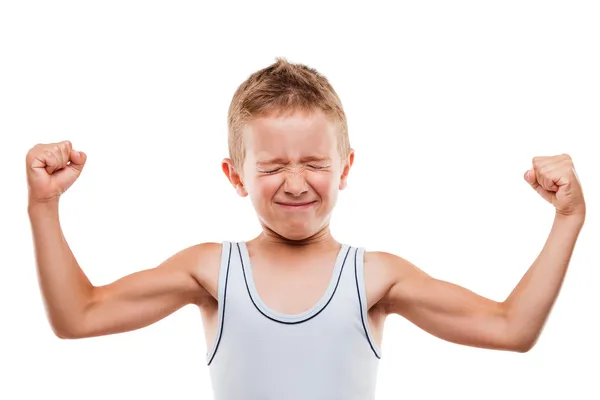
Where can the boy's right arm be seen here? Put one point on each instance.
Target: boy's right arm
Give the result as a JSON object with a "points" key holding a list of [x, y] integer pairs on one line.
{"points": [[74, 306]]}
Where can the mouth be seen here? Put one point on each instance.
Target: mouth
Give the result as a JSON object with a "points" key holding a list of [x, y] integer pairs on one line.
{"points": [[297, 206]]}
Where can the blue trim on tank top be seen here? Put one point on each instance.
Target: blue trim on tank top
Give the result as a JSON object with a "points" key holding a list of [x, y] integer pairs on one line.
{"points": [[363, 309], [289, 318], [222, 309]]}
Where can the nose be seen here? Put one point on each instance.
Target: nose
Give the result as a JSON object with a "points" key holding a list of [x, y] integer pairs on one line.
{"points": [[295, 183]]}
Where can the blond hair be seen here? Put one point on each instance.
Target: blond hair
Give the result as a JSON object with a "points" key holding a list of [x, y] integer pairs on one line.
{"points": [[283, 87]]}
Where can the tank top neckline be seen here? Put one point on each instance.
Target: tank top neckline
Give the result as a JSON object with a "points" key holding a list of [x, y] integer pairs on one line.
{"points": [[292, 318]]}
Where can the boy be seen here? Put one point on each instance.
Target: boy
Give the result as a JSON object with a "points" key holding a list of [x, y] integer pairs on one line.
{"points": [[292, 313]]}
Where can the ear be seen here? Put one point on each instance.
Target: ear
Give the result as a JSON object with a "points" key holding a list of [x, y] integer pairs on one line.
{"points": [[346, 165], [233, 176]]}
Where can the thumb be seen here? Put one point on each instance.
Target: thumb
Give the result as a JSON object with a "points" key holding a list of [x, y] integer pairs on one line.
{"points": [[530, 178], [78, 159]]}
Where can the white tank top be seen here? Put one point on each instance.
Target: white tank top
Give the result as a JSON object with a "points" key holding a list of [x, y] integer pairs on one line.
{"points": [[325, 353]]}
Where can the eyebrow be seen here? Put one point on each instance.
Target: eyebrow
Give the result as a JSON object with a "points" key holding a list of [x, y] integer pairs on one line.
{"points": [[282, 161]]}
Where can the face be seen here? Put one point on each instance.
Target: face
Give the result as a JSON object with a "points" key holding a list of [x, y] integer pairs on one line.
{"points": [[292, 172]]}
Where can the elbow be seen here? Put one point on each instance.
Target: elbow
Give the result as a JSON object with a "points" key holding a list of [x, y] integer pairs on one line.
{"points": [[521, 348], [524, 346], [66, 333], [516, 337], [63, 330], [64, 336], [63, 333], [71, 325]]}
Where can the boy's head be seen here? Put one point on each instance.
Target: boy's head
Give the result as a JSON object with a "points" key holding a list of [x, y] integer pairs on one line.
{"points": [[289, 148]]}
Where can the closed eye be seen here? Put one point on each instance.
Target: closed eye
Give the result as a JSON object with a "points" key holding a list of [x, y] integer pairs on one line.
{"points": [[272, 171]]}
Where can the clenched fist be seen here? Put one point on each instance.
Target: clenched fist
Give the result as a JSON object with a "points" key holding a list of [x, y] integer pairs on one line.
{"points": [[51, 169], [555, 179]]}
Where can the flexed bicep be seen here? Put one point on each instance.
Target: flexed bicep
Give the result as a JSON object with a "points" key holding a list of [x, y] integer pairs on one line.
{"points": [[446, 310], [145, 297]]}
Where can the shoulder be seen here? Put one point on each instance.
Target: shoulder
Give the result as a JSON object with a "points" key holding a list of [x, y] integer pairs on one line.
{"points": [[202, 261], [389, 265], [386, 271], [198, 257], [206, 252]]}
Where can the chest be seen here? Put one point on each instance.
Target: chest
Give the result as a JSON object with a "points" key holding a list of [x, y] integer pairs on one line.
{"points": [[294, 289]]}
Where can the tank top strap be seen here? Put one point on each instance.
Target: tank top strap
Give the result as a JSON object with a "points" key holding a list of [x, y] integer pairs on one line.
{"points": [[222, 285], [361, 289]]}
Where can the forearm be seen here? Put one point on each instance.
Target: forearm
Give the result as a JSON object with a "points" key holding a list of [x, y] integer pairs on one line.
{"points": [[530, 303], [65, 288]]}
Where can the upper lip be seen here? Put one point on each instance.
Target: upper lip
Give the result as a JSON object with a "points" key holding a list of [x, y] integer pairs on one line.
{"points": [[285, 203]]}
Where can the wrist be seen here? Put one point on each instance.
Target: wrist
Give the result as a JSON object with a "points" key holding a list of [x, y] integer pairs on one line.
{"points": [[38, 206], [575, 219]]}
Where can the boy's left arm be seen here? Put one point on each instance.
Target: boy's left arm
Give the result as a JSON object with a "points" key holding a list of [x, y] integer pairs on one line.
{"points": [[459, 315]]}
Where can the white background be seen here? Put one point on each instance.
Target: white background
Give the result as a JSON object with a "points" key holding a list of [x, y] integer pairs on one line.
{"points": [[447, 103]]}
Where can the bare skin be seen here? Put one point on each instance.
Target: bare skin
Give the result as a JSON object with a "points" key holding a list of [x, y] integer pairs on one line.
{"points": [[294, 159]]}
